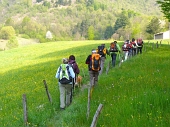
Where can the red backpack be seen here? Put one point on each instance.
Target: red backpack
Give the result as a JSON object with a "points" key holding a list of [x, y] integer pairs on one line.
{"points": [[113, 47], [139, 41]]}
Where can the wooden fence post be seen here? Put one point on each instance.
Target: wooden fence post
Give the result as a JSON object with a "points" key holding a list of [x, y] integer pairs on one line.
{"points": [[48, 94], [152, 45], [94, 122], [25, 109], [157, 44], [160, 42], [90, 90]]}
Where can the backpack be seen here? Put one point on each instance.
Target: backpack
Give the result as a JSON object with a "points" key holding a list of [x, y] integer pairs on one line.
{"points": [[95, 62], [113, 47], [139, 42], [101, 50], [124, 47], [129, 45], [64, 74], [133, 44]]}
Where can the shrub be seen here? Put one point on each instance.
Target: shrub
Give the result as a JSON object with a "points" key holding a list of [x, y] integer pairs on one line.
{"points": [[25, 36], [7, 32], [12, 43]]}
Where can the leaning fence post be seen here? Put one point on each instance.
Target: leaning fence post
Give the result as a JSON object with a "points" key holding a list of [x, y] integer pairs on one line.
{"points": [[48, 94], [25, 109], [94, 122]]}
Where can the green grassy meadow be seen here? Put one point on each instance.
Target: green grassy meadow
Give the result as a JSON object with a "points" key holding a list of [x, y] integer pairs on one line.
{"points": [[135, 94]]}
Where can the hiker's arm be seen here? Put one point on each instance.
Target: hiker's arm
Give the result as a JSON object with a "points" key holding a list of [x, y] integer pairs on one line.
{"points": [[57, 73], [77, 68], [88, 59], [107, 52], [72, 72]]}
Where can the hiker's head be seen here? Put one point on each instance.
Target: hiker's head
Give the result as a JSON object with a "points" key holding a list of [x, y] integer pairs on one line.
{"points": [[71, 57], [115, 42], [133, 39], [65, 60], [93, 51], [127, 41]]}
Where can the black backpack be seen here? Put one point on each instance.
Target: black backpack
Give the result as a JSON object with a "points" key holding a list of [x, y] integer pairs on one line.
{"points": [[101, 50]]}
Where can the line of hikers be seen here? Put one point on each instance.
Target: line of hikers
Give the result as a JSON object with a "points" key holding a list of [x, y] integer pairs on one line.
{"points": [[68, 71]]}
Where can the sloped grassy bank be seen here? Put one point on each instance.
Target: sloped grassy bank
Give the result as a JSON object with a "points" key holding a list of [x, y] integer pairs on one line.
{"points": [[136, 94], [22, 71]]}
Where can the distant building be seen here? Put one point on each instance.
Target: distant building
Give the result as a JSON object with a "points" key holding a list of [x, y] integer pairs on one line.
{"points": [[49, 35], [162, 35]]}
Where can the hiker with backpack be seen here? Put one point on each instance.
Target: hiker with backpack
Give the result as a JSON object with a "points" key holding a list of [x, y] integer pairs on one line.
{"points": [[114, 50], [125, 50], [65, 74], [72, 62], [134, 47], [102, 51], [140, 46], [129, 46], [93, 61]]}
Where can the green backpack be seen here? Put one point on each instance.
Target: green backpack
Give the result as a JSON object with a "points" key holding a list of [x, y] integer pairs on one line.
{"points": [[64, 74]]}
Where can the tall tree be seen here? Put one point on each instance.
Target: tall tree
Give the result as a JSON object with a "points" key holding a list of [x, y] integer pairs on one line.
{"points": [[121, 22], [165, 6], [154, 26], [108, 32], [91, 33]]}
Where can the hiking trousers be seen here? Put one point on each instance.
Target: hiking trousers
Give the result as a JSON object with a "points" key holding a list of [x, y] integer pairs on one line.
{"points": [[102, 65], [113, 55], [93, 75], [125, 55], [65, 94]]}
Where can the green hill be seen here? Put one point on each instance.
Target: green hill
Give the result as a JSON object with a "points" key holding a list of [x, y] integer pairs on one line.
{"points": [[80, 19], [135, 94]]}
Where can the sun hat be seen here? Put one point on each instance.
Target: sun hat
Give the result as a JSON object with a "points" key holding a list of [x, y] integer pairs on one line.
{"points": [[93, 51]]}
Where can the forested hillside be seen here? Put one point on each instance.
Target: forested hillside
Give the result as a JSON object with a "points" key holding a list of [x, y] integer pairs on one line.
{"points": [[82, 19]]}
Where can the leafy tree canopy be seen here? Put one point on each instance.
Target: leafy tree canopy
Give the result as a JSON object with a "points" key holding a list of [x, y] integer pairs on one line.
{"points": [[165, 6]]}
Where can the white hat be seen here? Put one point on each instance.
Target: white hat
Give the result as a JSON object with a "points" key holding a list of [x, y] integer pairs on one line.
{"points": [[94, 51]]}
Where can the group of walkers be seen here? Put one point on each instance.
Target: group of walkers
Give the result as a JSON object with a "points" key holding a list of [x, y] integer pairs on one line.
{"points": [[68, 71], [131, 48]]}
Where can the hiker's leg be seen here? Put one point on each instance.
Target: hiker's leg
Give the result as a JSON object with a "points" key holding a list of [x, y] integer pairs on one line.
{"points": [[114, 59], [62, 96], [126, 55], [68, 94], [91, 77], [138, 50], [96, 74], [141, 50]]}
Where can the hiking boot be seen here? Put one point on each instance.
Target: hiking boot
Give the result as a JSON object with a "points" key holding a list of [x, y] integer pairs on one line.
{"points": [[62, 109]]}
